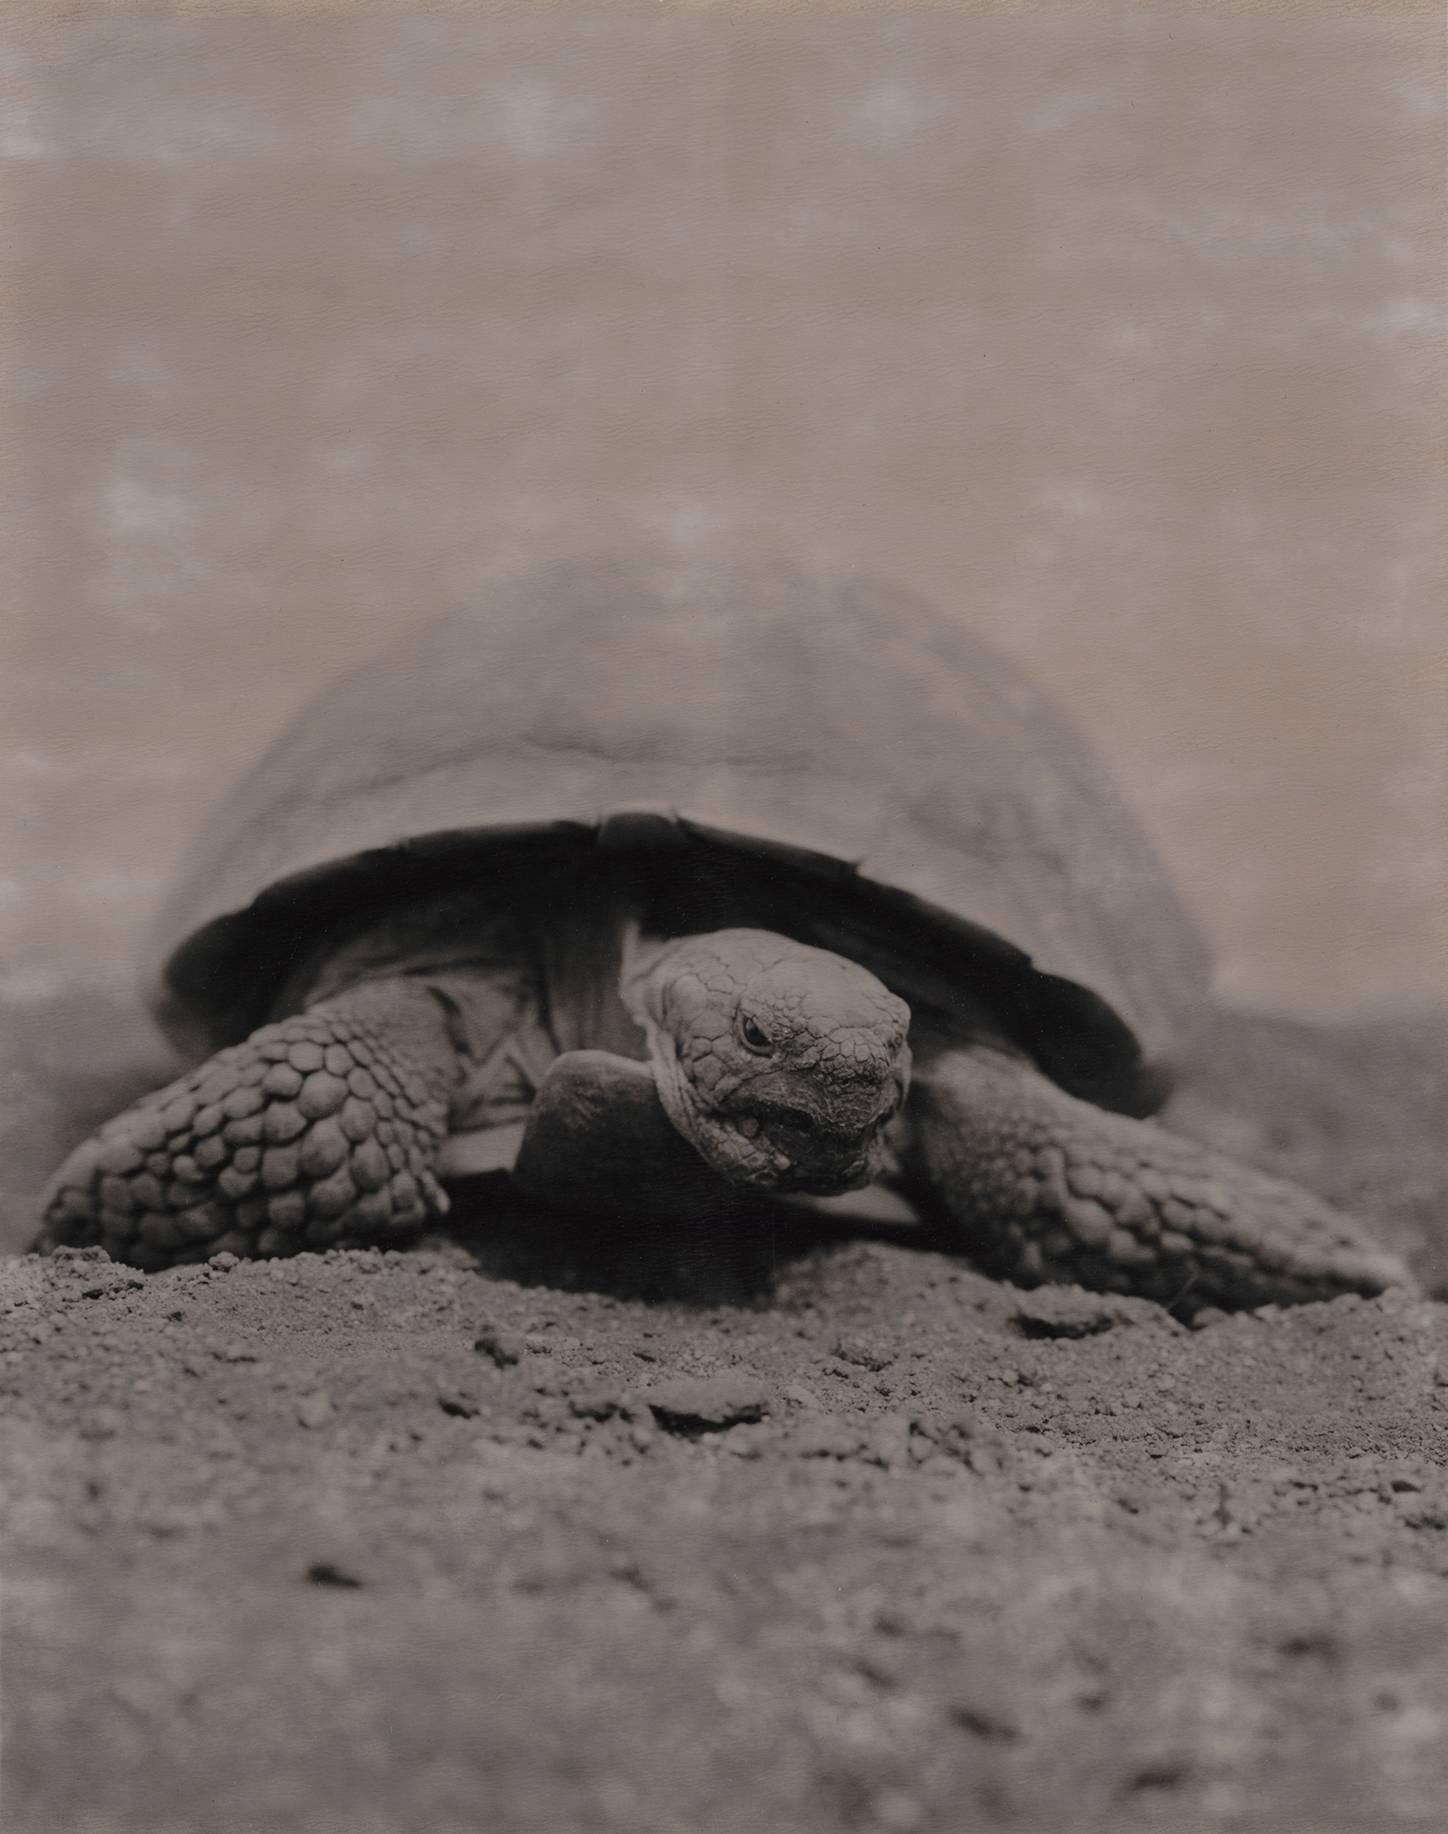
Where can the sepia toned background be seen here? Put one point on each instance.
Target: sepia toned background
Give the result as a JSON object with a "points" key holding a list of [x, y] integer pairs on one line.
{"points": [[1116, 329]]}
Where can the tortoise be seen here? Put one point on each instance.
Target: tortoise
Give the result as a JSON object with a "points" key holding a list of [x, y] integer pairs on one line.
{"points": [[647, 881]]}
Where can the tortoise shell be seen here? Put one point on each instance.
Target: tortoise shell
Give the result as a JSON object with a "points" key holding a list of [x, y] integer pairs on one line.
{"points": [[864, 744]]}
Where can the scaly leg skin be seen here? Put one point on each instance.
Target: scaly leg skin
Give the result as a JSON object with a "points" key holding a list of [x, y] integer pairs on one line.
{"points": [[320, 1128], [1046, 1187]]}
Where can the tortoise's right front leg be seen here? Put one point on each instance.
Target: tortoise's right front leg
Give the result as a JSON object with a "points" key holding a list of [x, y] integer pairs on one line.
{"points": [[321, 1127], [598, 1139]]}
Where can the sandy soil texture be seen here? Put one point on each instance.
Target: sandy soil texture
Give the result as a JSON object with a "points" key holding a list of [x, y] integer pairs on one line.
{"points": [[546, 1529]]}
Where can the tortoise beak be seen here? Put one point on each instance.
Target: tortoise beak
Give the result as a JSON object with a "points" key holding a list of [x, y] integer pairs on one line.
{"points": [[805, 1153]]}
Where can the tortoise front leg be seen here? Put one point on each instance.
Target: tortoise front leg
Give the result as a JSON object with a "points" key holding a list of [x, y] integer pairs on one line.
{"points": [[1042, 1186], [321, 1127], [598, 1138]]}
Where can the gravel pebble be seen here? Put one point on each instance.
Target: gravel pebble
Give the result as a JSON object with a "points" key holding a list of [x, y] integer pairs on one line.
{"points": [[1069, 1311], [864, 1353], [315, 1409], [709, 1403], [600, 1402], [826, 1436], [504, 1347], [798, 1395]]}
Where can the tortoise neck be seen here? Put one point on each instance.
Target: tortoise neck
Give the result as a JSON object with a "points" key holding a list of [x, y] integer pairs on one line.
{"points": [[587, 945]]}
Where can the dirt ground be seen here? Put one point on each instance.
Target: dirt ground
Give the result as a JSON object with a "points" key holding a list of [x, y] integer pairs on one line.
{"points": [[550, 1528]]}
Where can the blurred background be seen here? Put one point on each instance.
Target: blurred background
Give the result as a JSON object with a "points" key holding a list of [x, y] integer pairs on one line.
{"points": [[1116, 329]]}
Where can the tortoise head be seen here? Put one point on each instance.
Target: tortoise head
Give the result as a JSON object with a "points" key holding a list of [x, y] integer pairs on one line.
{"points": [[783, 1065]]}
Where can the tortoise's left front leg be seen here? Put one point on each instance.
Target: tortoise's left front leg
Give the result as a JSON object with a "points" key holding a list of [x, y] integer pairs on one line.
{"points": [[1042, 1186]]}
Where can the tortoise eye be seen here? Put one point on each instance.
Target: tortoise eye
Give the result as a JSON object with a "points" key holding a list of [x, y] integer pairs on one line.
{"points": [[753, 1036]]}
